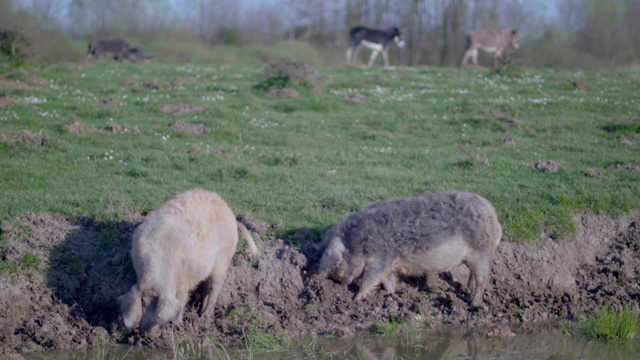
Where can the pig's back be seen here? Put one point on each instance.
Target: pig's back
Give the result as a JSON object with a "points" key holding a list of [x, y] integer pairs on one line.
{"points": [[421, 222]]}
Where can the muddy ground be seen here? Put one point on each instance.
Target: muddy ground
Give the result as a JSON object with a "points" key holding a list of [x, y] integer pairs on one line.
{"points": [[61, 278]]}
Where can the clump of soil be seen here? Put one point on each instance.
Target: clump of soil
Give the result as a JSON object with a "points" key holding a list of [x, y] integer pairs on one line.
{"points": [[182, 126], [153, 85], [114, 127], [182, 109], [580, 85], [500, 115], [626, 139], [474, 160], [511, 141], [61, 278], [75, 127], [258, 226], [108, 101], [355, 97], [593, 173], [31, 140], [13, 84], [6, 101], [37, 80], [626, 167], [286, 92], [178, 82], [547, 166]]}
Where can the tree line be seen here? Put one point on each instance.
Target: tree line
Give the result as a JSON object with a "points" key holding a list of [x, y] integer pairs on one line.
{"points": [[560, 33]]}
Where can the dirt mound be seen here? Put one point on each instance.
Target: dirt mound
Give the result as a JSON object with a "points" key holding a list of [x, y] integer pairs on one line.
{"points": [[286, 92], [182, 109], [60, 278], [546, 166], [355, 97], [108, 101], [182, 126], [6, 101]]}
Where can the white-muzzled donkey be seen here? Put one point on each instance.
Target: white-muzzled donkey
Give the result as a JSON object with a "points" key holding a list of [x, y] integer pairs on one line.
{"points": [[492, 41], [376, 40]]}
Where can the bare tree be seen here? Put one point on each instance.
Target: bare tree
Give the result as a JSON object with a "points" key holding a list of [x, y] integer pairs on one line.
{"points": [[453, 32]]}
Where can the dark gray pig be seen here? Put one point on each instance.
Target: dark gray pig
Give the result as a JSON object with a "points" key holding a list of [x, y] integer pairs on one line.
{"points": [[429, 233]]}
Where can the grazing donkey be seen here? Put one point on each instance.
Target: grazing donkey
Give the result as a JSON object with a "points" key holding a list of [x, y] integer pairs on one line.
{"points": [[494, 41], [376, 40]]}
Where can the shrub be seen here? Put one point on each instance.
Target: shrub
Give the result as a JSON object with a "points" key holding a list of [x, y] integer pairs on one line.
{"points": [[13, 46], [286, 72]]}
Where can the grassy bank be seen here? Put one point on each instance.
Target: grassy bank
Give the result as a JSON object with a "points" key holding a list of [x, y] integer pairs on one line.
{"points": [[302, 162]]}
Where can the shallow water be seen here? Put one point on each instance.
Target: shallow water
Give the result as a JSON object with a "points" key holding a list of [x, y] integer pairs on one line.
{"points": [[518, 343]]}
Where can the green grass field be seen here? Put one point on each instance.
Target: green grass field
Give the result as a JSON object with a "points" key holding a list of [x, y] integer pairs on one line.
{"points": [[300, 163]]}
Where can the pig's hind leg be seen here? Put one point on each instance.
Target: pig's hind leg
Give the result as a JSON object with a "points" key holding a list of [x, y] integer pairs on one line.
{"points": [[374, 274], [480, 269], [389, 282]]}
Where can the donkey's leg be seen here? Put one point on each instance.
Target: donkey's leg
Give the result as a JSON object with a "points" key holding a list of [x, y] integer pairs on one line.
{"points": [[474, 57], [496, 59], [350, 54], [374, 55], [385, 56], [465, 59]]}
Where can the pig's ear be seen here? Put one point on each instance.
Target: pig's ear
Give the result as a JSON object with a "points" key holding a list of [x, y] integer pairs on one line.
{"points": [[332, 256]]}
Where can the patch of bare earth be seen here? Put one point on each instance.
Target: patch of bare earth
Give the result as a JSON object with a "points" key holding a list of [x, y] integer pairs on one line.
{"points": [[36, 80], [13, 84], [31, 140], [626, 167], [474, 160], [182, 109], [286, 92], [153, 85], [108, 101], [580, 85], [178, 82], [511, 141], [355, 97], [500, 115], [182, 126], [627, 139], [75, 127], [67, 299], [593, 173], [116, 128], [546, 166], [7, 101]]}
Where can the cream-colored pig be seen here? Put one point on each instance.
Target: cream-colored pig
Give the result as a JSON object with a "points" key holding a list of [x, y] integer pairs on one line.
{"points": [[190, 239]]}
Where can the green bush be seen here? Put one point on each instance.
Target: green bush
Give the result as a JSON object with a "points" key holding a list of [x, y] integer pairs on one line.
{"points": [[286, 72], [13, 46]]}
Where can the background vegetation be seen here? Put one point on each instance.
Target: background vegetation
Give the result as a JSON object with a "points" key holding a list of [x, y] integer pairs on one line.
{"points": [[561, 33], [542, 144], [98, 141]]}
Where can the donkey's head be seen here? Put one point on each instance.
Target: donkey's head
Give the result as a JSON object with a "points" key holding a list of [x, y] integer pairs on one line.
{"points": [[397, 35]]}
